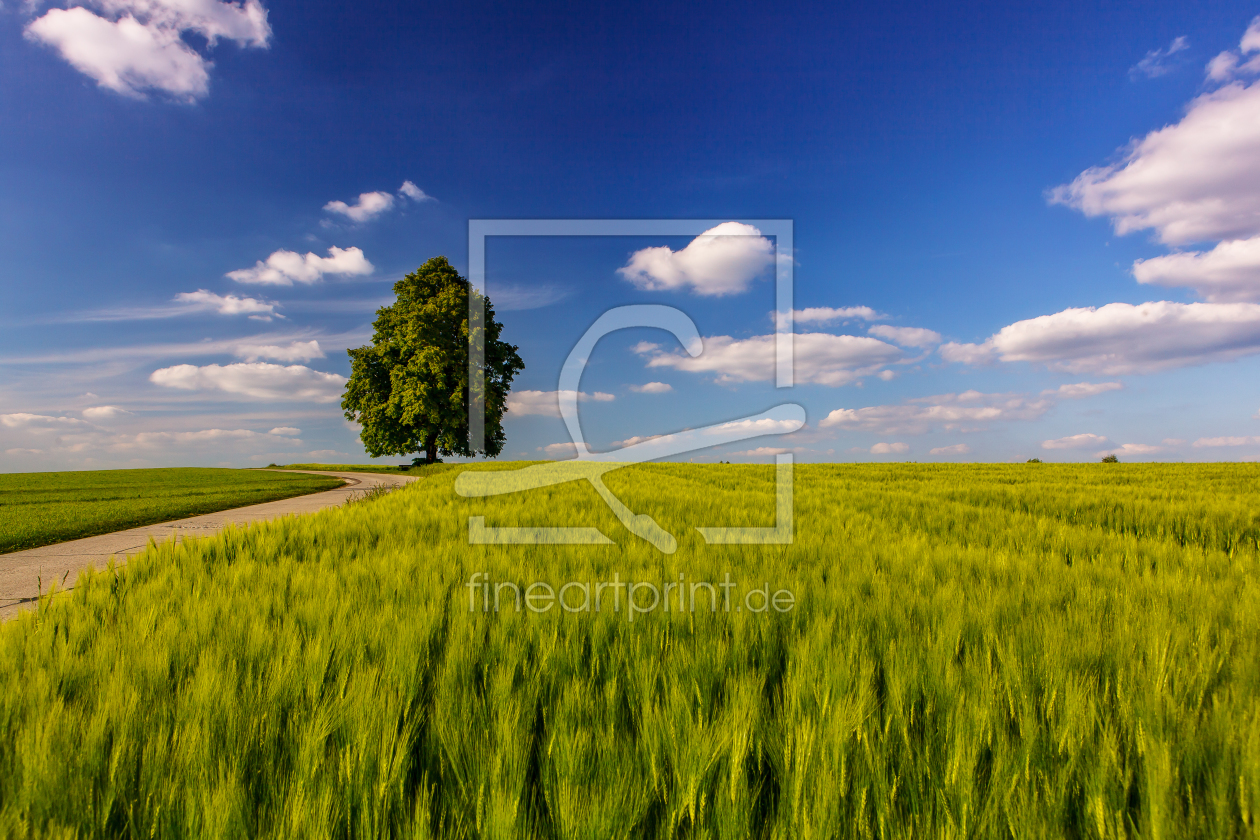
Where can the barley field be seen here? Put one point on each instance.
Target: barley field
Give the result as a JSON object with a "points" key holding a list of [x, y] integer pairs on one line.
{"points": [[970, 651]]}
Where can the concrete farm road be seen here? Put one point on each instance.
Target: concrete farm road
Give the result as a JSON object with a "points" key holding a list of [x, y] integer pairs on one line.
{"points": [[21, 571]]}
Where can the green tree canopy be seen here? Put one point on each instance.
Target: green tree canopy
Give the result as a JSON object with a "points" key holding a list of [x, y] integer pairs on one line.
{"points": [[409, 388]]}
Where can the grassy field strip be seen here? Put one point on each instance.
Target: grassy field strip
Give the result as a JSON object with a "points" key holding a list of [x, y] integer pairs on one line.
{"points": [[43, 508], [974, 651]]}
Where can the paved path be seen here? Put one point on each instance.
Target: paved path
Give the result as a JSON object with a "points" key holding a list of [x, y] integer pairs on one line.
{"points": [[21, 571]]}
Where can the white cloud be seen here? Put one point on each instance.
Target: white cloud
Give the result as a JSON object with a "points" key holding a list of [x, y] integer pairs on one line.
{"points": [[185, 303], [283, 268], [889, 448], [546, 403], [138, 46], [826, 315], [1081, 441], [285, 431], [1131, 449], [1226, 441], [652, 388], [1080, 390], [955, 412], [1228, 272], [1196, 180], [1226, 66], [721, 261], [764, 426], [297, 351], [761, 452], [1222, 67], [1156, 62], [368, 207], [907, 336], [561, 451], [202, 300], [213, 347], [200, 436], [257, 380], [413, 192], [967, 354], [819, 358], [103, 412], [631, 441], [1123, 338], [40, 422], [955, 449]]}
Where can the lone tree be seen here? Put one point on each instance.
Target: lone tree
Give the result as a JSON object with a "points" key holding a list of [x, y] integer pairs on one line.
{"points": [[409, 388]]}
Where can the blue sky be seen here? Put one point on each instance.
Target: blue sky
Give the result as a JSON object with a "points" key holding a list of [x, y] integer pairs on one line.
{"points": [[999, 178]]}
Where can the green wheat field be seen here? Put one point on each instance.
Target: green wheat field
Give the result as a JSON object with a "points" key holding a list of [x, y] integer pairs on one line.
{"points": [[974, 651], [42, 508]]}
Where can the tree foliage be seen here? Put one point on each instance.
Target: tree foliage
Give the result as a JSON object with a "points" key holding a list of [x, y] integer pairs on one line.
{"points": [[409, 387]]}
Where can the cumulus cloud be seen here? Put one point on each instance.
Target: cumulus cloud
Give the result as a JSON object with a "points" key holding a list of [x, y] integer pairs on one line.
{"points": [[1080, 390], [955, 449], [296, 351], [414, 193], [955, 412], [1229, 272], [1081, 441], [560, 451], [368, 207], [285, 431], [138, 45], [652, 388], [1195, 180], [284, 268], [255, 380], [1230, 64], [889, 448], [103, 412], [819, 358], [547, 403], [1156, 62], [1222, 441], [721, 261], [1123, 338], [202, 301], [907, 336], [827, 315]]}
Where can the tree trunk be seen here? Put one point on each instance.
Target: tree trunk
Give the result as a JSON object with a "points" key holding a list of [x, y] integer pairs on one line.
{"points": [[430, 449]]}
